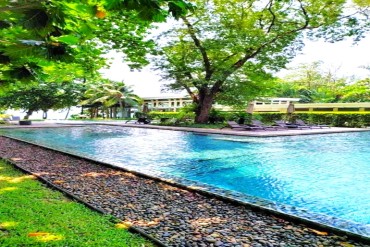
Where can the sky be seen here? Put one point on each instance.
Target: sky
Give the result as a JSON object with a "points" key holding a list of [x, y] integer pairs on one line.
{"points": [[344, 57]]}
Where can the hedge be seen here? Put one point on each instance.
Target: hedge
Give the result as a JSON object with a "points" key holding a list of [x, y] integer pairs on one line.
{"points": [[339, 119], [334, 119], [159, 115]]}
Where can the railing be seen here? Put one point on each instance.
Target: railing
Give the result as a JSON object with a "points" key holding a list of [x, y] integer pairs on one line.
{"points": [[315, 107]]}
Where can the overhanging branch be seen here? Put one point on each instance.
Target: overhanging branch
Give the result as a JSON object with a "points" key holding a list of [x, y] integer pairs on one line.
{"points": [[206, 61]]}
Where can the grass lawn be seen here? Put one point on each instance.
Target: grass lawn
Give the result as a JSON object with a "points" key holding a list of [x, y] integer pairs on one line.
{"points": [[33, 215]]}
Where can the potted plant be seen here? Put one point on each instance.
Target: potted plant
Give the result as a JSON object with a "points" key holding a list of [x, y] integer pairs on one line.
{"points": [[25, 122]]}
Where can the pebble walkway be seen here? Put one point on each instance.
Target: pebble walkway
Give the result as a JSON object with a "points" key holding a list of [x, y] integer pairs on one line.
{"points": [[174, 216]]}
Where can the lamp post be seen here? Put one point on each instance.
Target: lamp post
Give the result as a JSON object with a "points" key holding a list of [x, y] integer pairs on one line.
{"points": [[249, 110], [290, 111]]}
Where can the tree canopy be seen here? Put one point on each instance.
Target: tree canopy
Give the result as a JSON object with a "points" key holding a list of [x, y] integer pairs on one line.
{"points": [[41, 97], [59, 40], [311, 83], [110, 93], [232, 44]]}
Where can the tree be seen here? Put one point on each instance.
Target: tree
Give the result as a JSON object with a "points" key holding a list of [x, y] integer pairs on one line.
{"points": [[49, 40], [310, 83], [110, 93], [36, 48], [357, 92], [234, 41], [36, 97]]}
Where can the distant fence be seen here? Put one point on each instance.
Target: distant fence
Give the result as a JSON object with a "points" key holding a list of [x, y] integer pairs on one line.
{"points": [[315, 107]]}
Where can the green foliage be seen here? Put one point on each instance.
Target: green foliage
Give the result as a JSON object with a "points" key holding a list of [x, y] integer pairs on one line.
{"points": [[110, 93], [357, 120], [124, 31], [55, 41], [181, 118], [357, 92], [217, 116], [40, 44], [227, 48], [200, 126], [338, 119], [32, 215], [78, 116], [159, 115], [43, 97], [362, 3], [4, 116], [237, 92], [309, 83]]}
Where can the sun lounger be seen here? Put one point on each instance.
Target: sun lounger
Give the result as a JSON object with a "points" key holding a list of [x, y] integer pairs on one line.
{"points": [[284, 125], [142, 120], [235, 126], [258, 123], [300, 122]]}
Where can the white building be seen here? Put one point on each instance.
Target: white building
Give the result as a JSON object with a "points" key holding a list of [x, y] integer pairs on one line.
{"points": [[167, 103]]}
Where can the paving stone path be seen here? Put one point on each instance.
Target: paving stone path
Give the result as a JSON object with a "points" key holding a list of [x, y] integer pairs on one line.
{"points": [[174, 216]]}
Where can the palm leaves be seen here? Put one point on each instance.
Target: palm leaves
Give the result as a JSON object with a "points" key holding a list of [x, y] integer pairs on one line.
{"points": [[110, 94]]}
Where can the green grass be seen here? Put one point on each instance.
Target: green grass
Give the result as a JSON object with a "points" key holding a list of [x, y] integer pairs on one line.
{"points": [[33, 215]]}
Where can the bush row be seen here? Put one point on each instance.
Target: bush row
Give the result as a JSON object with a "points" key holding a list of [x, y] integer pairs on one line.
{"points": [[338, 119], [334, 119]]}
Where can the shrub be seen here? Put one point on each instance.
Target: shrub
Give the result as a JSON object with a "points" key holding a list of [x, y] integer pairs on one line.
{"points": [[238, 116], [357, 120], [5, 116], [338, 119], [161, 115], [78, 116]]}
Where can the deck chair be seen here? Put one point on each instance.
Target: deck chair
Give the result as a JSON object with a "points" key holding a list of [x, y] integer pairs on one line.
{"points": [[300, 122], [258, 123], [142, 120], [284, 125], [235, 126]]}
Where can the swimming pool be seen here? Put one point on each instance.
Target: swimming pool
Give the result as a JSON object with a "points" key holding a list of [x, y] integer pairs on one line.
{"points": [[321, 177]]}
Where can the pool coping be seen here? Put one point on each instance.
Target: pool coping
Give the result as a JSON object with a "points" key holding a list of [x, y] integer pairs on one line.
{"points": [[180, 183], [227, 131], [222, 131]]}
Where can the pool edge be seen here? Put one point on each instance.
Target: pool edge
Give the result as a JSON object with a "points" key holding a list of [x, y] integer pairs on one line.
{"points": [[199, 190]]}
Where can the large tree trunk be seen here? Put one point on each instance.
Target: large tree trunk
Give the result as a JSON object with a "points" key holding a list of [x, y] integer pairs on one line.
{"points": [[69, 108], [204, 107], [121, 106], [114, 112], [28, 114], [110, 109]]}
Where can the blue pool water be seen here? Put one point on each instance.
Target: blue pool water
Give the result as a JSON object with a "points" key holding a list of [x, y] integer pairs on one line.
{"points": [[327, 176]]}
